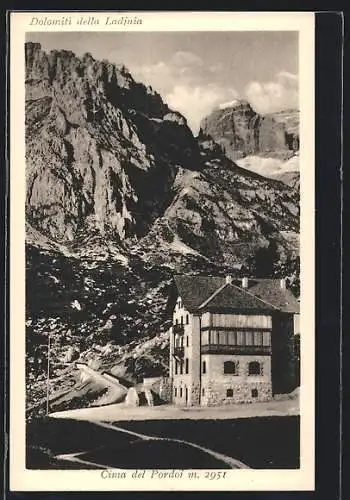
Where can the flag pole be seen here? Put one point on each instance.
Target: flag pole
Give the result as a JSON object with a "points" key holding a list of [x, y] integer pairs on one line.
{"points": [[48, 374]]}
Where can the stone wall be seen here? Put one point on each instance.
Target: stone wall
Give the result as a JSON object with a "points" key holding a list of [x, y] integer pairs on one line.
{"points": [[149, 397], [194, 395], [215, 383], [152, 383], [166, 389], [215, 393]]}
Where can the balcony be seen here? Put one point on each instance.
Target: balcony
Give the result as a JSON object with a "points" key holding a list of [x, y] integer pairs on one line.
{"points": [[179, 352], [178, 329], [262, 350]]}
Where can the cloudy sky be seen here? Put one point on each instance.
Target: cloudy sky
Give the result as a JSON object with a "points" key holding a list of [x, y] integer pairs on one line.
{"points": [[198, 71]]}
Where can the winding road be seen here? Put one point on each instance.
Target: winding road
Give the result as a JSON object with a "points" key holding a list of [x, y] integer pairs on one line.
{"points": [[220, 457]]}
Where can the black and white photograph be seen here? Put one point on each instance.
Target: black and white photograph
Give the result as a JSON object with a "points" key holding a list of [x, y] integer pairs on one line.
{"points": [[163, 280]]}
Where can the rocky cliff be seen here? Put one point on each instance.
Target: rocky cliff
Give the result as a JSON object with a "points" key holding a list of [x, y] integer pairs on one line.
{"points": [[98, 147], [241, 131], [263, 144], [121, 195]]}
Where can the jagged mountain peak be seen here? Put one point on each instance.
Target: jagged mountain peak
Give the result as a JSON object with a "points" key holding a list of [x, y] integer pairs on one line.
{"points": [[101, 149], [85, 75], [241, 131]]}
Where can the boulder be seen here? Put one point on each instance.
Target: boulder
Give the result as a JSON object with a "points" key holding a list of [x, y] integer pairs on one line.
{"points": [[72, 354], [132, 398]]}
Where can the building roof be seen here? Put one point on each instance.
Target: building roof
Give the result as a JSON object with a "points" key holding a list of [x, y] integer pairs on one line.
{"points": [[194, 290], [232, 297], [211, 292], [271, 291]]}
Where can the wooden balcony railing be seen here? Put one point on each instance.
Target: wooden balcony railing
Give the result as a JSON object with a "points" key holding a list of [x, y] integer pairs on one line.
{"points": [[236, 349]]}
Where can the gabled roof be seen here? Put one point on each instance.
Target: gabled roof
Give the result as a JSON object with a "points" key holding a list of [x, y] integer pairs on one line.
{"points": [[232, 297], [261, 294], [194, 290], [270, 290]]}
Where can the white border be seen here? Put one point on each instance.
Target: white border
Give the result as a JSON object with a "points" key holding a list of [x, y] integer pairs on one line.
{"points": [[242, 480]]}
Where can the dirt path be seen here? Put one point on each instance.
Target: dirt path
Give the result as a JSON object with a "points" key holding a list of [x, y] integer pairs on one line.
{"points": [[121, 412], [75, 457], [232, 462]]}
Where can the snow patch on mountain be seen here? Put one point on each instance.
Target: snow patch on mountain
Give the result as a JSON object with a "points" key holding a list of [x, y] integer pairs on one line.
{"points": [[229, 104], [269, 167]]}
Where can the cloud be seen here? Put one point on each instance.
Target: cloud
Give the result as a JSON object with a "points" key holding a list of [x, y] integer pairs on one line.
{"points": [[184, 66], [186, 85], [281, 93], [215, 68], [197, 102], [185, 59], [287, 76], [160, 75]]}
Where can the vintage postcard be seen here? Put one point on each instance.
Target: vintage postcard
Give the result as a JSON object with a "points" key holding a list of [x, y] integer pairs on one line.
{"points": [[162, 251]]}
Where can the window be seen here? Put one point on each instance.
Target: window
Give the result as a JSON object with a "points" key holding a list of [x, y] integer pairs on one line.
{"points": [[267, 338], [203, 391], [175, 391], [240, 338], [180, 392], [204, 367], [232, 338], [187, 341], [229, 393], [229, 367], [187, 319], [176, 367], [258, 338], [254, 393], [254, 368], [181, 367], [181, 342], [186, 365], [182, 320], [222, 338], [217, 337], [176, 321], [248, 338]]}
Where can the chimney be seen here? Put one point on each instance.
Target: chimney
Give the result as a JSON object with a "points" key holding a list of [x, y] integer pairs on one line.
{"points": [[228, 280], [244, 282], [283, 283]]}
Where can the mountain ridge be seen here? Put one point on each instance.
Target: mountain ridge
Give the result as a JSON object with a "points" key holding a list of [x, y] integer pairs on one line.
{"points": [[120, 196], [242, 131], [266, 144]]}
